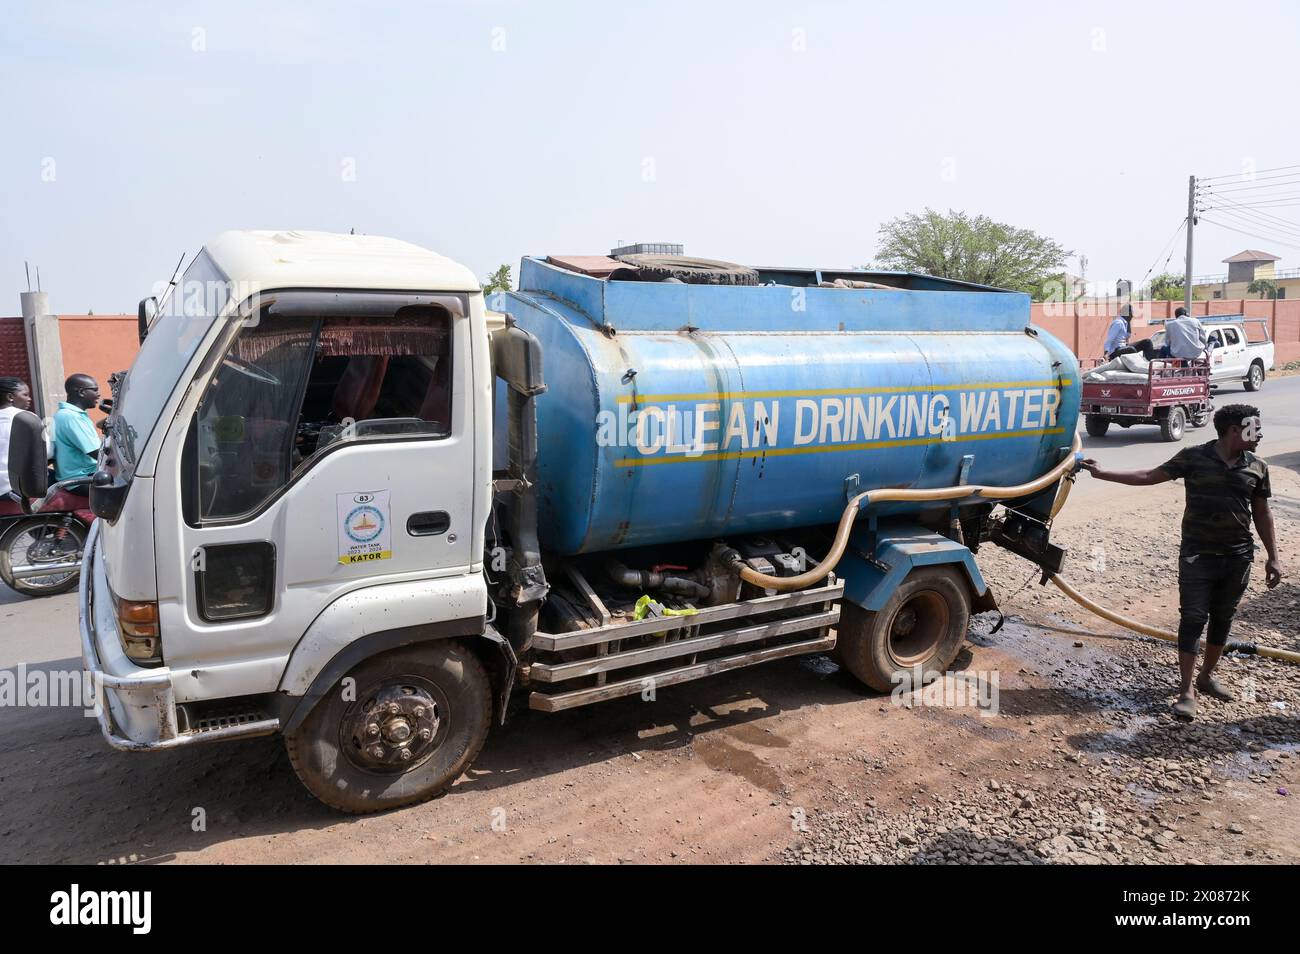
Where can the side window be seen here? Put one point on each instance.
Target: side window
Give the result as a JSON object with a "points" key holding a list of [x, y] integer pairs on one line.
{"points": [[245, 422], [292, 386], [1230, 335], [378, 377]]}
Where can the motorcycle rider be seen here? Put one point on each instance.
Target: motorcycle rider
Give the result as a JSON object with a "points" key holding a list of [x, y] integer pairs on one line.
{"points": [[76, 443]]}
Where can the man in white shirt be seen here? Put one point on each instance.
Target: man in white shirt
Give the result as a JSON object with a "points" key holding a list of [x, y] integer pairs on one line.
{"points": [[1185, 337], [14, 397]]}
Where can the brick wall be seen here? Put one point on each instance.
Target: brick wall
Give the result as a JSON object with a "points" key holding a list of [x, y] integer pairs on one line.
{"points": [[13, 350]]}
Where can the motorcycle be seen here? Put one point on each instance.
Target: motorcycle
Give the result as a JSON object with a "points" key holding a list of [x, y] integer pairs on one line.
{"points": [[43, 527], [41, 544]]}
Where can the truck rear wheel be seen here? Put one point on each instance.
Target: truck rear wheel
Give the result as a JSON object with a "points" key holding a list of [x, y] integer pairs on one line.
{"points": [[919, 631], [406, 727], [1255, 377], [1097, 424], [1173, 424]]}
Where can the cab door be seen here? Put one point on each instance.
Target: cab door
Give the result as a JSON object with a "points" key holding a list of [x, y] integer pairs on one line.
{"points": [[333, 448], [1234, 353]]}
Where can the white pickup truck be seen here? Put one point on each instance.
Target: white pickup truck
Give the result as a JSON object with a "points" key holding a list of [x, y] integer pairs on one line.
{"points": [[1240, 349]]}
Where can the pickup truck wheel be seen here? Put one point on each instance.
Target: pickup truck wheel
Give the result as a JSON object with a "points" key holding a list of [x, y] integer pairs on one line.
{"points": [[1173, 424], [406, 727], [1255, 377], [917, 633], [1096, 424]]}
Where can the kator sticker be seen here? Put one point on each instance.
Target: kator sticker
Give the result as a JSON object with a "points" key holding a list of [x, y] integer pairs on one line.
{"points": [[365, 531]]}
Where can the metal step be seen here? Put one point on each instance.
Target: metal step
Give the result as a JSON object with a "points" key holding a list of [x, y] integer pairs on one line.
{"points": [[556, 672], [629, 687], [664, 624]]}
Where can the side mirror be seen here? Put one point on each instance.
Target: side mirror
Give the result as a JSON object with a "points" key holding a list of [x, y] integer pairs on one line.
{"points": [[144, 316], [28, 472]]}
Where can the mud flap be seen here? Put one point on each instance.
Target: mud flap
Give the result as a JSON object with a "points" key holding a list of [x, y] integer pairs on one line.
{"points": [[877, 562], [502, 668]]}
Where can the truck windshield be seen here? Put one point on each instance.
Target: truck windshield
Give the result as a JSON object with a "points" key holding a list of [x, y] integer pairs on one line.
{"points": [[175, 334]]}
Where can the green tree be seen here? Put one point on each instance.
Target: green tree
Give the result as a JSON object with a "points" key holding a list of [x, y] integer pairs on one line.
{"points": [[1263, 287], [1168, 287], [970, 249], [500, 280]]}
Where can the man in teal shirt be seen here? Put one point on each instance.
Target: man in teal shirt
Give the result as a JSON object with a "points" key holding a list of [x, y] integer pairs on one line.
{"points": [[76, 442]]}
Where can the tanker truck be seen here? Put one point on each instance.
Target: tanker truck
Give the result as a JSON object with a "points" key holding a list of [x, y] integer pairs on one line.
{"points": [[347, 499]]}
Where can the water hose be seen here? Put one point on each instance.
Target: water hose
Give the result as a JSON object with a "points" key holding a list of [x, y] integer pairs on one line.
{"points": [[856, 504], [1251, 649]]}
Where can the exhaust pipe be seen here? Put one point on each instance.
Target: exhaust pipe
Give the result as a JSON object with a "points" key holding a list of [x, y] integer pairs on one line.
{"points": [[44, 569]]}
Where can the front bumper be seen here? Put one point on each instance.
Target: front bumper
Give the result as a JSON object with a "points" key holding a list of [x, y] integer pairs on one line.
{"points": [[137, 712]]}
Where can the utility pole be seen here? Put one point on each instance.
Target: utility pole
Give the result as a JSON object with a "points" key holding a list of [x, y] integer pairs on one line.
{"points": [[1191, 222]]}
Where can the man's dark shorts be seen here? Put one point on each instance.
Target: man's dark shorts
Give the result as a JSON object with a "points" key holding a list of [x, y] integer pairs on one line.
{"points": [[1209, 588]]}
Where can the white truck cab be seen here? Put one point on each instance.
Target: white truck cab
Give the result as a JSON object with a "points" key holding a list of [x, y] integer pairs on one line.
{"points": [[297, 476]]}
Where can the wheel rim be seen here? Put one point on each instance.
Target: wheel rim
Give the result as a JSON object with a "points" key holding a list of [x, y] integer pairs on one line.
{"points": [[1255, 376], [45, 544], [395, 726], [918, 627]]}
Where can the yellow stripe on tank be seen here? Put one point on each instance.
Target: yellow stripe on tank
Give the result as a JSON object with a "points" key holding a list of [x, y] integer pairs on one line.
{"points": [[827, 448]]}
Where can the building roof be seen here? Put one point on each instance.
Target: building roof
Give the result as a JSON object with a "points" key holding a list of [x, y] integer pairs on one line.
{"points": [[302, 259], [1253, 255]]}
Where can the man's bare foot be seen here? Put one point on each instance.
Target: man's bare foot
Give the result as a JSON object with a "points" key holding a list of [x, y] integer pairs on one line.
{"points": [[1185, 707], [1212, 688]]}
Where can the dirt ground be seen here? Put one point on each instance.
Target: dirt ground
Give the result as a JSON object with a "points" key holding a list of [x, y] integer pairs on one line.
{"points": [[789, 762]]}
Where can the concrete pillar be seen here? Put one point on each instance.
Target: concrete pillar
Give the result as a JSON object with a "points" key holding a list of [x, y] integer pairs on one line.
{"points": [[44, 353]]}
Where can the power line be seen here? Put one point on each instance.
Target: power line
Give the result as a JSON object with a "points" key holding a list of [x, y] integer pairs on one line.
{"points": [[1288, 183], [1171, 245], [1266, 238], [1275, 230], [1258, 201], [1246, 175], [1253, 212], [1246, 207]]}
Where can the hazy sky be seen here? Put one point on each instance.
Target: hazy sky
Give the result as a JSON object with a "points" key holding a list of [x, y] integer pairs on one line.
{"points": [[765, 133]]}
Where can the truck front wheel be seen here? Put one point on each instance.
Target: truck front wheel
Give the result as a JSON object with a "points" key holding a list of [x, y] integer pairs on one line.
{"points": [[397, 730], [917, 633]]}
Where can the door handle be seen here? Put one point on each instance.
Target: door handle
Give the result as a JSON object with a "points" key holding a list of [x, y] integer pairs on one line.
{"points": [[428, 523]]}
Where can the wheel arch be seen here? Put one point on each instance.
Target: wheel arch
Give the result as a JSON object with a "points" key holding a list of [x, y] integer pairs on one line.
{"points": [[491, 648], [876, 564]]}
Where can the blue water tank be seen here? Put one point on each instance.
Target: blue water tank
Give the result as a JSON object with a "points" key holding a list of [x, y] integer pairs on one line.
{"points": [[681, 412]]}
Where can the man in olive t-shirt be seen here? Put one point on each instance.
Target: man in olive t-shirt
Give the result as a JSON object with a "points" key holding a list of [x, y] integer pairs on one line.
{"points": [[1227, 492]]}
